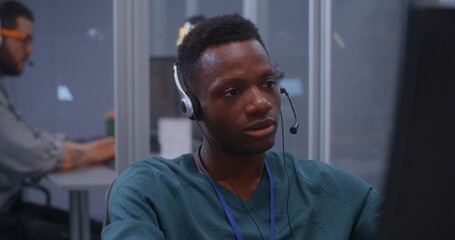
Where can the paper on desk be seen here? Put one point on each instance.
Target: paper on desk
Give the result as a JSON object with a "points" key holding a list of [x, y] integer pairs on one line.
{"points": [[174, 136]]}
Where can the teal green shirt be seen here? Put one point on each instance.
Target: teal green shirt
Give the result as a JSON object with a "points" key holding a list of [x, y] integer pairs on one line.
{"points": [[169, 199]]}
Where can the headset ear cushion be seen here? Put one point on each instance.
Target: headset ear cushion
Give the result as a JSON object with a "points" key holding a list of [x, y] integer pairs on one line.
{"points": [[196, 106], [185, 107]]}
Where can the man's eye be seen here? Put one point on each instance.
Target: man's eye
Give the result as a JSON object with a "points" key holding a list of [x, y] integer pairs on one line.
{"points": [[270, 84], [231, 93]]}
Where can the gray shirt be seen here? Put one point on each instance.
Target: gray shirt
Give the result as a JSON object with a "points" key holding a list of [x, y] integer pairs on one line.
{"points": [[25, 152]]}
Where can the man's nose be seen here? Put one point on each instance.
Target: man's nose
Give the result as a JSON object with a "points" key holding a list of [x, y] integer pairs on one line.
{"points": [[257, 102]]}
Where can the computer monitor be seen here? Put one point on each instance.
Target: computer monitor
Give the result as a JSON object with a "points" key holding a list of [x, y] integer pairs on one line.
{"points": [[420, 191]]}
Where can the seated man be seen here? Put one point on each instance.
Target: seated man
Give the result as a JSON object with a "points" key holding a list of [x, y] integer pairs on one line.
{"points": [[232, 186], [26, 152]]}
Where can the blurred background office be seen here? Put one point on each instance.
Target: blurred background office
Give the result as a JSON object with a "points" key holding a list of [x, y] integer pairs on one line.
{"points": [[69, 87], [340, 60]]}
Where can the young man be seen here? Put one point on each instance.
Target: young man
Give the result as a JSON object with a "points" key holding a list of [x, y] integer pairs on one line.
{"points": [[233, 187], [26, 152]]}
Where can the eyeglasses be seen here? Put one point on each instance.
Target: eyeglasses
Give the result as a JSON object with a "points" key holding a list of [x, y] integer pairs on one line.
{"points": [[17, 35]]}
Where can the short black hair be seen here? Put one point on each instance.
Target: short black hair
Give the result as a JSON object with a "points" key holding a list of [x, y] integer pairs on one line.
{"points": [[10, 10], [211, 32]]}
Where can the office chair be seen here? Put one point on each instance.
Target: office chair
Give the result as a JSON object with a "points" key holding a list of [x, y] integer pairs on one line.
{"points": [[34, 184], [11, 227]]}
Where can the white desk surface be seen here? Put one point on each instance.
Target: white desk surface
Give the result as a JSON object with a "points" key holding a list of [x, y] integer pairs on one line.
{"points": [[90, 177]]}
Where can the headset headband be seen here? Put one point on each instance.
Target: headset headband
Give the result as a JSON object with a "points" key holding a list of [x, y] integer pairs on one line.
{"points": [[185, 102]]}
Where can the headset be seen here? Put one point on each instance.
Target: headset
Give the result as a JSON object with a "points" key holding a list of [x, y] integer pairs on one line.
{"points": [[295, 126], [190, 105]]}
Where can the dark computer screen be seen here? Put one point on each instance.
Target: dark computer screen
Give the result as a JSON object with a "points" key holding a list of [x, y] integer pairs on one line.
{"points": [[420, 194]]}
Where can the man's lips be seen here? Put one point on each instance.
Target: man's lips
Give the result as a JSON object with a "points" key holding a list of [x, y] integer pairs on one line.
{"points": [[260, 129]]}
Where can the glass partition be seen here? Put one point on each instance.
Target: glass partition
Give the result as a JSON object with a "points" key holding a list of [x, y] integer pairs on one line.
{"points": [[366, 46]]}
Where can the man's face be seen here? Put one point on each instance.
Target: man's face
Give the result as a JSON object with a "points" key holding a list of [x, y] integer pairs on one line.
{"points": [[239, 97], [14, 52]]}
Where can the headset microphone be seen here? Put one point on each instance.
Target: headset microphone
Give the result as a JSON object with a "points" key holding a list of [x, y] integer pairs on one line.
{"points": [[30, 63], [294, 126]]}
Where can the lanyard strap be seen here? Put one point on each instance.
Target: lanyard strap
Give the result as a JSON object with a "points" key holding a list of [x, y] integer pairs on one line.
{"points": [[226, 208]]}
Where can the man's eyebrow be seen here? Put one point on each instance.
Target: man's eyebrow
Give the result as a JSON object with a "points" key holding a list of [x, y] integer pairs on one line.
{"points": [[229, 81], [268, 73], [265, 74]]}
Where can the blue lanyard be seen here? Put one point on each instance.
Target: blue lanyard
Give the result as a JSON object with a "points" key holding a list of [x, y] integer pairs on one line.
{"points": [[226, 208]]}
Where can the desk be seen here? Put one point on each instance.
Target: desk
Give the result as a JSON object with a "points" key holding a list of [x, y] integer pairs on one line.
{"points": [[78, 182]]}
